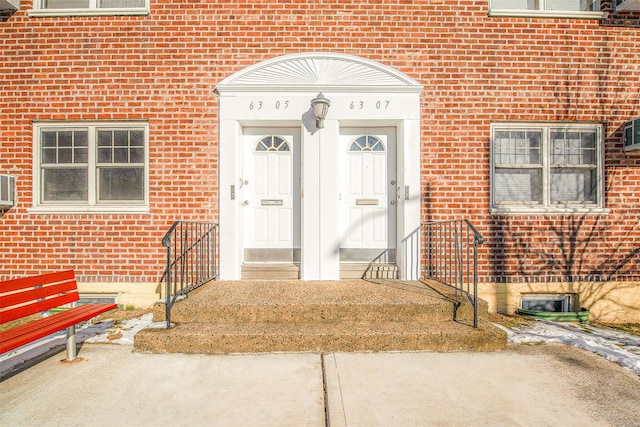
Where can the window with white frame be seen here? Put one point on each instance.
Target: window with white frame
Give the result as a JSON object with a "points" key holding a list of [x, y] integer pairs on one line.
{"points": [[546, 167], [97, 166], [89, 7], [576, 8]]}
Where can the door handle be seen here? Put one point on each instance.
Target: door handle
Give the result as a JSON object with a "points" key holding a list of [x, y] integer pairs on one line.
{"points": [[245, 203]]}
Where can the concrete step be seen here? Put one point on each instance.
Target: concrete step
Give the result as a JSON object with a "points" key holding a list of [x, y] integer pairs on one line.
{"points": [[270, 271], [323, 301], [200, 312], [217, 338], [368, 271]]}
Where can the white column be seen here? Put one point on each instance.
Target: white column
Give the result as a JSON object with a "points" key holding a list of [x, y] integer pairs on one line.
{"points": [[310, 206], [409, 204], [230, 215], [329, 208], [320, 259]]}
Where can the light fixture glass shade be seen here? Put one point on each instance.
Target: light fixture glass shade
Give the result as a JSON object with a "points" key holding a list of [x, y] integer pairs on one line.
{"points": [[320, 106]]}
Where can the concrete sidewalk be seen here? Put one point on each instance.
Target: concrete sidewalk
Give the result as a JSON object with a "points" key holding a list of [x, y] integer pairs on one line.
{"points": [[544, 385]]}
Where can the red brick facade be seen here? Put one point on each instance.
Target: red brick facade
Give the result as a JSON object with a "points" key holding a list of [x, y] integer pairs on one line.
{"points": [[163, 68]]}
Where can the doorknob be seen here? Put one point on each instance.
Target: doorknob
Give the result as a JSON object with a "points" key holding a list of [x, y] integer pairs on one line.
{"points": [[245, 203]]}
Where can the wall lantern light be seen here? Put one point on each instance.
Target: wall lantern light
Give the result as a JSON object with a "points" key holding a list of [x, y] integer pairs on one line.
{"points": [[320, 106]]}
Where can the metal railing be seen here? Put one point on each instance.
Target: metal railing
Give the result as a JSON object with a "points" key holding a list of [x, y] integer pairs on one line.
{"points": [[191, 259], [451, 252]]}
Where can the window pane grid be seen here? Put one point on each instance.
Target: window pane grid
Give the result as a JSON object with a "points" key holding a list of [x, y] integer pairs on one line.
{"points": [[64, 147], [120, 147], [517, 148], [573, 148]]}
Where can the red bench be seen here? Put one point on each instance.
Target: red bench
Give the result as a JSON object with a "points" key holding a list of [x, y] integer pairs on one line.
{"points": [[32, 295]]}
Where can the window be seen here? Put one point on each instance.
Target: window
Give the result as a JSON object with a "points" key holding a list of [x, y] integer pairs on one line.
{"points": [[89, 7], [272, 143], [548, 8], [7, 184], [367, 143], [551, 167], [632, 135], [90, 167], [547, 303]]}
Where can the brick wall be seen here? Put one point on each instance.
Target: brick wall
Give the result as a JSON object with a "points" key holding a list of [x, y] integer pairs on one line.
{"points": [[475, 69]]}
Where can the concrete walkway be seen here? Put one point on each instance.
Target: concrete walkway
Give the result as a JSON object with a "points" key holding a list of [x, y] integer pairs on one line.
{"points": [[542, 385]]}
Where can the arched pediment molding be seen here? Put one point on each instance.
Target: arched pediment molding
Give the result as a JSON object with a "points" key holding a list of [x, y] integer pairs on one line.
{"points": [[318, 71]]}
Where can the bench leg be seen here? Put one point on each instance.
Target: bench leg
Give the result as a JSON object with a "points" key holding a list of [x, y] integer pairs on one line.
{"points": [[71, 343]]}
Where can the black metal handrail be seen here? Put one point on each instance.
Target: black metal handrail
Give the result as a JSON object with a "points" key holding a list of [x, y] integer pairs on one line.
{"points": [[451, 251], [191, 259]]}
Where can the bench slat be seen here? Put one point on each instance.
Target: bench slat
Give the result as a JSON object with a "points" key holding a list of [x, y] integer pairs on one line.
{"points": [[17, 298], [43, 279], [52, 320], [21, 335], [37, 307]]}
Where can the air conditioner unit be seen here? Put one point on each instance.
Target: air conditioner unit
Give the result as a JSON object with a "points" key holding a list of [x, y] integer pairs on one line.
{"points": [[7, 185], [632, 134], [8, 8], [628, 5]]}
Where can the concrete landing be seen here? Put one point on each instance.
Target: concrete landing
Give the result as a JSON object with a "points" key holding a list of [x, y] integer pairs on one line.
{"points": [[346, 315]]}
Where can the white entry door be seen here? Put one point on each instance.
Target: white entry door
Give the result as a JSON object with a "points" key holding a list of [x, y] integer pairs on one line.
{"points": [[368, 195], [271, 195]]}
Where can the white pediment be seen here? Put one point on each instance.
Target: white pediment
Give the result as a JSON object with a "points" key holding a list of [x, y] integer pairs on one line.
{"points": [[318, 71]]}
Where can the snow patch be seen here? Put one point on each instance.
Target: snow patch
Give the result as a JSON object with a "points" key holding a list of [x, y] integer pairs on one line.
{"points": [[617, 347]]}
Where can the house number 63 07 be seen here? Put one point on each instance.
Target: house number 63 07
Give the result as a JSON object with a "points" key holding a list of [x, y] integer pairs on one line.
{"points": [[359, 105], [258, 105]]}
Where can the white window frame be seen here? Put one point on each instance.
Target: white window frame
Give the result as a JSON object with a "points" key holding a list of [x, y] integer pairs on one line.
{"points": [[93, 10], [546, 206], [544, 13], [92, 205]]}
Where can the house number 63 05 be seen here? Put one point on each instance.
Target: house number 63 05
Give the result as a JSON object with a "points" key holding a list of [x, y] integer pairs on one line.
{"points": [[258, 105], [359, 105]]}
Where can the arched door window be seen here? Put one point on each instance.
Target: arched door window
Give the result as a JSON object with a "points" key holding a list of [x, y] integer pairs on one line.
{"points": [[272, 143], [367, 143]]}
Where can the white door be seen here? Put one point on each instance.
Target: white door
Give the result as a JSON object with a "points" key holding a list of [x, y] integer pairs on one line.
{"points": [[271, 195], [368, 195]]}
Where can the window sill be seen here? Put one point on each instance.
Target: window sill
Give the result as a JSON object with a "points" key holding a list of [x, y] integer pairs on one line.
{"points": [[49, 13], [529, 210], [108, 210], [546, 14]]}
